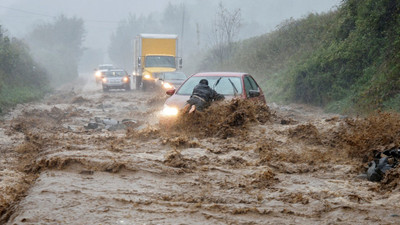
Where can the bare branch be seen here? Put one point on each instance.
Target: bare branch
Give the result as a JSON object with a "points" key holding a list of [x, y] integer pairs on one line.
{"points": [[225, 28]]}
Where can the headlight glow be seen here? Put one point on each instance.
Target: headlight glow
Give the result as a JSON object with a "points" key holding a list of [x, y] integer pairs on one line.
{"points": [[170, 111], [98, 74], [147, 76], [104, 80], [125, 79], [168, 86]]}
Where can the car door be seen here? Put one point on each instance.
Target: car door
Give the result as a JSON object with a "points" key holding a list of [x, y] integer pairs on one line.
{"points": [[252, 89]]}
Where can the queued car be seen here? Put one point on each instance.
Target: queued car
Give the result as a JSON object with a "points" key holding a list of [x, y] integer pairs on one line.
{"points": [[169, 80], [230, 84], [100, 69], [115, 79]]}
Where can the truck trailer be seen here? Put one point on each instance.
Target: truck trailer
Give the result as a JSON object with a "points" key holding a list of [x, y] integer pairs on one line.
{"points": [[154, 53]]}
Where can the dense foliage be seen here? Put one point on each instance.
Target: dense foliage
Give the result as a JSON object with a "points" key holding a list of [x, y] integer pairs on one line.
{"points": [[21, 79], [347, 60], [58, 47], [360, 65]]}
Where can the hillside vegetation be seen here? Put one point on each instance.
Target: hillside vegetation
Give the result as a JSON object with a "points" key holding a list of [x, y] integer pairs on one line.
{"points": [[21, 79], [346, 60]]}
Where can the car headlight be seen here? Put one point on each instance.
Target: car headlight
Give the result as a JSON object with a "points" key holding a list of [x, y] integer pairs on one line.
{"points": [[125, 79], [167, 85], [170, 111], [98, 74], [104, 80], [147, 76]]}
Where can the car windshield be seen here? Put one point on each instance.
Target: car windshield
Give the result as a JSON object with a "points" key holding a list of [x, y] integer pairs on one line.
{"points": [[225, 86], [160, 61], [174, 76], [114, 73]]}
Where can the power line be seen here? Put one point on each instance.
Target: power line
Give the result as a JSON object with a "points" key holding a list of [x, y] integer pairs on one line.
{"points": [[49, 16], [27, 12]]}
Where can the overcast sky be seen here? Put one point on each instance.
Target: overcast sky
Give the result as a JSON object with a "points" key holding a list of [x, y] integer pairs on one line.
{"points": [[102, 16]]}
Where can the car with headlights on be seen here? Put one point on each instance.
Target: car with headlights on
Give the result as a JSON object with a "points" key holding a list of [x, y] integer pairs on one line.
{"points": [[169, 80], [229, 84], [100, 69], [116, 79]]}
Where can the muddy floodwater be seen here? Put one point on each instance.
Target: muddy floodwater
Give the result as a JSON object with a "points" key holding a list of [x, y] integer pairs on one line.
{"points": [[84, 156]]}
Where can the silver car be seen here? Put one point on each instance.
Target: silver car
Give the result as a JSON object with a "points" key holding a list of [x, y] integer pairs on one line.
{"points": [[116, 79]]}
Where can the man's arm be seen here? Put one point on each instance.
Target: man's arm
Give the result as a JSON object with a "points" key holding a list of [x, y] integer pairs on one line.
{"points": [[217, 97]]}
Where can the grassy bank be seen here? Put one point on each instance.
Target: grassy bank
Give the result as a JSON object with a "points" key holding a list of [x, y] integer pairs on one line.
{"points": [[347, 60], [10, 96]]}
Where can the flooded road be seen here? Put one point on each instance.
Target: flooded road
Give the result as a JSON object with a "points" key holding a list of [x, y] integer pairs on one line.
{"points": [[83, 156]]}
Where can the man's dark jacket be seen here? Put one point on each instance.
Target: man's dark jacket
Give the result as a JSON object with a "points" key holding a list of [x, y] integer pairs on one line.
{"points": [[203, 95]]}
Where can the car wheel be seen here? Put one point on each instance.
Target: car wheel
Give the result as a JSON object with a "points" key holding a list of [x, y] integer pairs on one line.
{"points": [[128, 88], [105, 88]]}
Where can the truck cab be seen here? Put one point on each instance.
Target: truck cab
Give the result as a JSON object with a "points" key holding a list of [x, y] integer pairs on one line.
{"points": [[156, 64]]}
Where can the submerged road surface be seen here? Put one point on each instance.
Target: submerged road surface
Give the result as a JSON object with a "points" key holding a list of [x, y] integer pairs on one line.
{"points": [[84, 156]]}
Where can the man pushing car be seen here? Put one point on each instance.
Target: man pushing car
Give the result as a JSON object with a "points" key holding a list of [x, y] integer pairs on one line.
{"points": [[201, 97]]}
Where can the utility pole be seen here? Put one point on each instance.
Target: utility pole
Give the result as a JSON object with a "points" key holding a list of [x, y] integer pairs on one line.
{"points": [[182, 27]]}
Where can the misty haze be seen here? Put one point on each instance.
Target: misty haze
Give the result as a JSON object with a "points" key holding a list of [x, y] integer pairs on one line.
{"points": [[192, 20], [199, 112]]}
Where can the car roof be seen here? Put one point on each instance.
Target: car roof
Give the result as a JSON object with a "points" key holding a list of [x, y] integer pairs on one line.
{"points": [[219, 74]]}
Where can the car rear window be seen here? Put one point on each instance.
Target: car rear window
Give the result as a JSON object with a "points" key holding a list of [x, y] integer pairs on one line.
{"points": [[224, 85]]}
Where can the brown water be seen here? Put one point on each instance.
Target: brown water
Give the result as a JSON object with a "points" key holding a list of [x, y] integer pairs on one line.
{"points": [[258, 165]]}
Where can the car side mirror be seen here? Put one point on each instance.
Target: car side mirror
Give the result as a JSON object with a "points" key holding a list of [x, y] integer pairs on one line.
{"points": [[254, 93], [180, 63], [170, 92]]}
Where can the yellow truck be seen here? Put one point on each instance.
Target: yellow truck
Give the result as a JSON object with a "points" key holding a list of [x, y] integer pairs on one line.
{"points": [[154, 53]]}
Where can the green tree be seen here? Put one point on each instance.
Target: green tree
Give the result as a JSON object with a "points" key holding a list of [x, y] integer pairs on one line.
{"points": [[173, 18], [171, 21], [121, 43], [21, 78], [58, 46]]}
